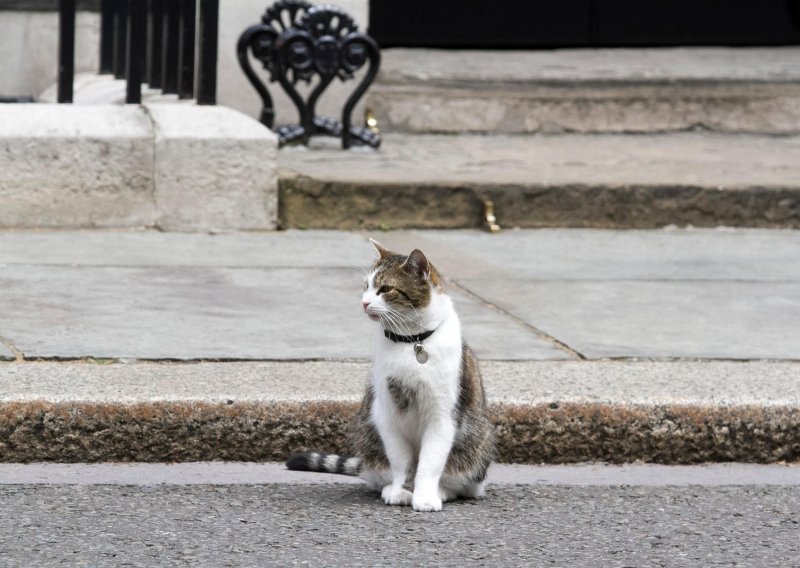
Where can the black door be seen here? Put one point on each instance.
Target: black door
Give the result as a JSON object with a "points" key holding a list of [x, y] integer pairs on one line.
{"points": [[583, 23]]}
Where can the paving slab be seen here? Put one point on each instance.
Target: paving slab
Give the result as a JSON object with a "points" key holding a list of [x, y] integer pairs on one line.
{"points": [[698, 293], [723, 254], [233, 296], [216, 313], [521, 294], [154, 248], [736, 320], [183, 313], [605, 181]]}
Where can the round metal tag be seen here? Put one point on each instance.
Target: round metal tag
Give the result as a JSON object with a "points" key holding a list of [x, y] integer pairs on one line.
{"points": [[422, 356]]}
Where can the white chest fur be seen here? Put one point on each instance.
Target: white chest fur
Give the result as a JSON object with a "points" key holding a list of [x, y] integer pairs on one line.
{"points": [[434, 383]]}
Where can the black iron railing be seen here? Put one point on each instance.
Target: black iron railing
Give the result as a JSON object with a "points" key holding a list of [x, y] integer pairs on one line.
{"points": [[297, 41], [149, 42]]}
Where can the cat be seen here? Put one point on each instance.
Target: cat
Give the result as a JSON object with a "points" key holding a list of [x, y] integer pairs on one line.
{"points": [[424, 415]]}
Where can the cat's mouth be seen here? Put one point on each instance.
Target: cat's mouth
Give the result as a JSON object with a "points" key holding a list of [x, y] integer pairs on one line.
{"points": [[373, 316]]}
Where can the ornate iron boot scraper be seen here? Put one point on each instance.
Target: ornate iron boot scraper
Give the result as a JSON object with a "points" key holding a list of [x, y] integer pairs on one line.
{"points": [[298, 41]]}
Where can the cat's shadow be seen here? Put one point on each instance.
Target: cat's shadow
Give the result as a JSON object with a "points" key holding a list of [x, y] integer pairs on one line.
{"points": [[361, 496]]}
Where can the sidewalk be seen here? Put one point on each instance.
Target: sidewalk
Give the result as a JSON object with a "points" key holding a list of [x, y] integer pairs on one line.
{"points": [[672, 346]]}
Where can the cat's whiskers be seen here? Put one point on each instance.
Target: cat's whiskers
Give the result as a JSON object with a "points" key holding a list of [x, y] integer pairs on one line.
{"points": [[417, 321], [395, 320], [403, 323]]}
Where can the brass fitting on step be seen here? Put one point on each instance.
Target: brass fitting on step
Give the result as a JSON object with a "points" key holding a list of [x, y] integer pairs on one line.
{"points": [[491, 221], [371, 122]]}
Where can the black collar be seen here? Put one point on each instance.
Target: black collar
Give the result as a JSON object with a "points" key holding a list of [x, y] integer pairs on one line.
{"points": [[419, 338]]}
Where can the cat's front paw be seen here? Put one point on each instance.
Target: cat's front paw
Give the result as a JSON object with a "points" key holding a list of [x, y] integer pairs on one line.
{"points": [[397, 496], [425, 502]]}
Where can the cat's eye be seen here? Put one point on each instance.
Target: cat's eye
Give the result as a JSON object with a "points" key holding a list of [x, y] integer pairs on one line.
{"points": [[384, 289]]}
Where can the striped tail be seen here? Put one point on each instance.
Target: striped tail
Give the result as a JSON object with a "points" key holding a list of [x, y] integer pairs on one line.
{"points": [[326, 463]]}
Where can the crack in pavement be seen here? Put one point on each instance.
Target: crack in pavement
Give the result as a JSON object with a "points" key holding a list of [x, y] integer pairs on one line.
{"points": [[19, 356], [558, 344]]}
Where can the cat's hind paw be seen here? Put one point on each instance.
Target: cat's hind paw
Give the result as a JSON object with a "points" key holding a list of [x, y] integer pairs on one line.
{"points": [[398, 496]]}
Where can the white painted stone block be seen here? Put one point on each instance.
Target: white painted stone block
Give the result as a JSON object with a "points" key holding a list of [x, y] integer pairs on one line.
{"points": [[215, 169], [75, 166]]}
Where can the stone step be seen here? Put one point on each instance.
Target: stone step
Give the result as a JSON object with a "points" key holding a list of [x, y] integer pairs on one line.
{"points": [[567, 180], [176, 167], [545, 412], [752, 90]]}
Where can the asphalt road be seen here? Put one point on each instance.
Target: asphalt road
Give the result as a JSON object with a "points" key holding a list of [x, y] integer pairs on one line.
{"points": [[595, 522]]}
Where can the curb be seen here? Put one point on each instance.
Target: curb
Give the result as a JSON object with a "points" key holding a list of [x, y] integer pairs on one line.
{"points": [[549, 433], [559, 413]]}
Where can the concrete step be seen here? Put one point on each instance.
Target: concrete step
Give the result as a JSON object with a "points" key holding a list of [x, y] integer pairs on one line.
{"points": [[567, 180], [551, 412], [753, 90]]}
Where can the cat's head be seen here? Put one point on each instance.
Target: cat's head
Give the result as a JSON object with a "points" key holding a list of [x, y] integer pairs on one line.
{"points": [[399, 288]]}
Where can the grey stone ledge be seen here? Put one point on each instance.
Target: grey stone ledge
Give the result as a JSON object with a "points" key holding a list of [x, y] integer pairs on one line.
{"points": [[643, 383]]}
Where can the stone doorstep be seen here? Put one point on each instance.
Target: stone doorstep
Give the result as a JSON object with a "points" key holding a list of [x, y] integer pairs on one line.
{"points": [[170, 166], [592, 181], [551, 412], [755, 90], [586, 109]]}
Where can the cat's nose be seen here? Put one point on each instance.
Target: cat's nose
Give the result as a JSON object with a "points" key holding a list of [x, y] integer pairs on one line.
{"points": [[366, 305]]}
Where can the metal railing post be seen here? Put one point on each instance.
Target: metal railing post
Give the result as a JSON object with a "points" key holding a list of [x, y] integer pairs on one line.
{"points": [[208, 26], [137, 34], [106, 36], [186, 51], [155, 38], [120, 37], [170, 46], [66, 50]]}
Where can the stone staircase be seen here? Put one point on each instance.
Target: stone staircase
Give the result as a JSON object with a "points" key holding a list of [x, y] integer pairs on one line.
{"points": [[613, 138]]}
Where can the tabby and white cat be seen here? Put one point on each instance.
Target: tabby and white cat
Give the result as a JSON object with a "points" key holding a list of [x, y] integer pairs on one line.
{"points": [[424, 416]]}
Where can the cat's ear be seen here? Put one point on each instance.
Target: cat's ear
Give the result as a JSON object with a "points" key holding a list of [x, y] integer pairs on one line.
{"points": [[416, 263], [382, 251]]}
